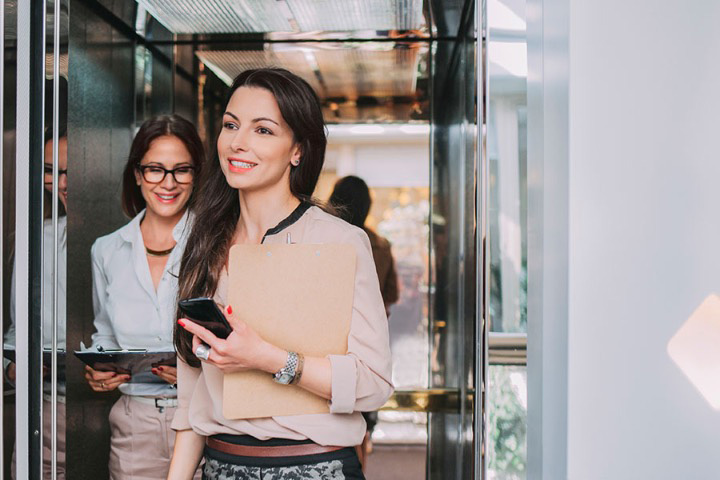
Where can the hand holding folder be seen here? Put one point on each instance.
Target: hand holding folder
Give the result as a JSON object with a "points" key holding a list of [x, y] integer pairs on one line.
{"points": [[298, 297]]}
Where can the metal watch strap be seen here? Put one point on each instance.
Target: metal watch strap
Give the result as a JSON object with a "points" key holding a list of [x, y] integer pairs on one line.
{"points": [[298, 369], [289, 368]]}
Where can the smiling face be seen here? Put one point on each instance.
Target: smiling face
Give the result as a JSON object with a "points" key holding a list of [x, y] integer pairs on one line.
{"points": [[167, 198], [256, 147]]}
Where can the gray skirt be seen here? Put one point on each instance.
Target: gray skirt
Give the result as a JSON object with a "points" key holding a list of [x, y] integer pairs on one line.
{"points": [[341, 464]]}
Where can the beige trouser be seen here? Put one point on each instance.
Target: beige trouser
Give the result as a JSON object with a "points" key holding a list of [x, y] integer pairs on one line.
{"points": [[142, 441], [47, 446]]}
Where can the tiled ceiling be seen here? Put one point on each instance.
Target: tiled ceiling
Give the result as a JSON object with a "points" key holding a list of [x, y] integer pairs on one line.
{"points": [[257, 16], [375, 70]]}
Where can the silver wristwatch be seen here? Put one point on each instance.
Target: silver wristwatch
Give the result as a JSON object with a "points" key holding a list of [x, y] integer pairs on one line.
{"points": [[286, 375]]}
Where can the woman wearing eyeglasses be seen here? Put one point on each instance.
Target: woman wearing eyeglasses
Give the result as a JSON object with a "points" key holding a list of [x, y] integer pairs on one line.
{"points": [[135, 289]]}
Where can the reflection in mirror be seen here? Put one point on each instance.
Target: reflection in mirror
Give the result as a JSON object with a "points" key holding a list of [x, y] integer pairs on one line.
{"points": [[507, 420], [507, 234], [392, 160], [54, 241], [507, 156], [363, 82], [8, 53]]}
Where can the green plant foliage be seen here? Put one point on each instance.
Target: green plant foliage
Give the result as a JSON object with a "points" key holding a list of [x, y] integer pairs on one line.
{"points": [[507, 433]]}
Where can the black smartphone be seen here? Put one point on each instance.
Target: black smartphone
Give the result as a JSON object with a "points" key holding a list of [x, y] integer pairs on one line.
{"points": [[206, 313]]}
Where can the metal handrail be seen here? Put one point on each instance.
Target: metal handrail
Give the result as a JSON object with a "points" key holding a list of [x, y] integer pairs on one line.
{"points": [[507, 348]]}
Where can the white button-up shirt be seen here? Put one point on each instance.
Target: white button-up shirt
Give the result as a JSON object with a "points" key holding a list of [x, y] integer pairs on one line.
{"points": [[48, 279], [129, 312]]}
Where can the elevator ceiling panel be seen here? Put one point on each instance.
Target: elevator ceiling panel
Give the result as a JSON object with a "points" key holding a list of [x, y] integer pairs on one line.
{"points": [[256, 16], [334, 15], [333, 72], [220, 16], [355, 73], [228, 64]]}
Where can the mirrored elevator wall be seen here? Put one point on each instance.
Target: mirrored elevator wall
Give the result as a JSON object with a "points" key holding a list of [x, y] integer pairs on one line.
{"points": [[454, 435], [116, 83]]}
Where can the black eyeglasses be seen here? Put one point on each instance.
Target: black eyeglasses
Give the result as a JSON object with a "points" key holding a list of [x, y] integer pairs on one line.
{"points": [[156, 174], [49, 172]]}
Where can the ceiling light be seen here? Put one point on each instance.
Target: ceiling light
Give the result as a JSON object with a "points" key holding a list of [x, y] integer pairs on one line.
{"points": [[219, 16], [411, 129]]}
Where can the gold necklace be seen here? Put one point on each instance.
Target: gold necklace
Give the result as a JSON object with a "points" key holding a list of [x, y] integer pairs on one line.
{"points": [[159, 253]]}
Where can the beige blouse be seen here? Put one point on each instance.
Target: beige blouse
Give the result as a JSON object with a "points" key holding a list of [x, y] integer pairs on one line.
{"points": [[361, 379]]}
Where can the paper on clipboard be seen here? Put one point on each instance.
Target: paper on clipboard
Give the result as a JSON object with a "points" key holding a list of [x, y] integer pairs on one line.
{"points": [[298, 297]]}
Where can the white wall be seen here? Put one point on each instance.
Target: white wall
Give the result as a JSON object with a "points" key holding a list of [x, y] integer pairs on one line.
{"points": [[643, 239], [644, 234]]}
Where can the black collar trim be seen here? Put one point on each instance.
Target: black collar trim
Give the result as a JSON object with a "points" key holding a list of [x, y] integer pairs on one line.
{"points": [[289, 220]]}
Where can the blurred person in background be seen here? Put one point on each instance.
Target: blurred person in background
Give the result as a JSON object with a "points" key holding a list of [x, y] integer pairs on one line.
{"points": [[351, 200]]}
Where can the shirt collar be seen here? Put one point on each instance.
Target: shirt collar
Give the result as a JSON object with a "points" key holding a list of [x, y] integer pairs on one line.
{"points": [[129, 232], [289, 220]]}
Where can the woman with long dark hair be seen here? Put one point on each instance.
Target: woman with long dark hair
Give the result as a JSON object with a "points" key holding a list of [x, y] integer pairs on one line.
{"points": [[135, 291], [270, 153]]}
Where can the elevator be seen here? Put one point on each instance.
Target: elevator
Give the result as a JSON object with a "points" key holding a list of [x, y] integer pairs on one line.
{"points": [[424, 99]]}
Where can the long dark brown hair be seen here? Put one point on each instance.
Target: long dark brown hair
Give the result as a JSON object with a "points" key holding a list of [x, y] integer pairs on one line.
{"points": [[216, 205], [153, 128]]}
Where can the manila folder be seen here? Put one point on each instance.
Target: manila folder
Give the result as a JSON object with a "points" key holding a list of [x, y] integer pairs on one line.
{"points": [[298, 297]]}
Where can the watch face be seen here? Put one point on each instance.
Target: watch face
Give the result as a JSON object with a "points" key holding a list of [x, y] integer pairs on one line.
{"points": [[284, 378]]}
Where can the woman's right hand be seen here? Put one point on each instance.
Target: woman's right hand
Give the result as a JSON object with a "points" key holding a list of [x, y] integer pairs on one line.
{"points": [[104, 381]]}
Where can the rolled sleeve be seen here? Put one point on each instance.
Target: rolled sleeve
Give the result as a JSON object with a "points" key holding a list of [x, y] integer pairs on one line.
{"points": [[344, 383]]}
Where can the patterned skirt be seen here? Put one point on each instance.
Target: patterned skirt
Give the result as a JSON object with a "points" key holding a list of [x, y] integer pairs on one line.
{"points": [[341, 464]]}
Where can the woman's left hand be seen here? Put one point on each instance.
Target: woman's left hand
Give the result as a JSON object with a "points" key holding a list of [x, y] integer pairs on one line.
{"points": [[243, 349], [167, 373]]}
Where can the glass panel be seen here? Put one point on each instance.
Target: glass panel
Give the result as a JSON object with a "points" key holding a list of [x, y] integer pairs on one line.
{"points": [[507, 156], [454, 254], [55, 242], [507, 418], [8, 229], [102, 122], [393, 160]]}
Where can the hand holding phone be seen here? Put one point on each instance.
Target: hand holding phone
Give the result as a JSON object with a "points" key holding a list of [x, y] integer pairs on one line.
{"points": [[206, 313]]}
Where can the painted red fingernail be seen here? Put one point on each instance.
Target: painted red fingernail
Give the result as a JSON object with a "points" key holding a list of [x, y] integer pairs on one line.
{"points": [[182, 324], [229, 309], [160, 368], [154, 370], [114, 374]]}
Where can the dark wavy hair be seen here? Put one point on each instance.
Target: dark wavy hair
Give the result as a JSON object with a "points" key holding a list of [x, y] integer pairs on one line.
{"points": [[156, 127], [216, 206]]}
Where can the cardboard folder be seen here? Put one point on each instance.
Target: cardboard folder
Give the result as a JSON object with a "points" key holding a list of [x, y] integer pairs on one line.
{"points": [[298, 297]]}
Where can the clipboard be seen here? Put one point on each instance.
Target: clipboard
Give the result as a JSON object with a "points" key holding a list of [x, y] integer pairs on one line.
{"points": [[298, 297], [138, 363], [10, 354]]}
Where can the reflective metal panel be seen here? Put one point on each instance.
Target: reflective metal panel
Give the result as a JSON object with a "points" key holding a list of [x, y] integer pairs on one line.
{"points": [[378, 70], [331, 15], [2, 230], [246, 16], [357, 81], [29, 230], [456, 346], [101, 125], [220, 16]]}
